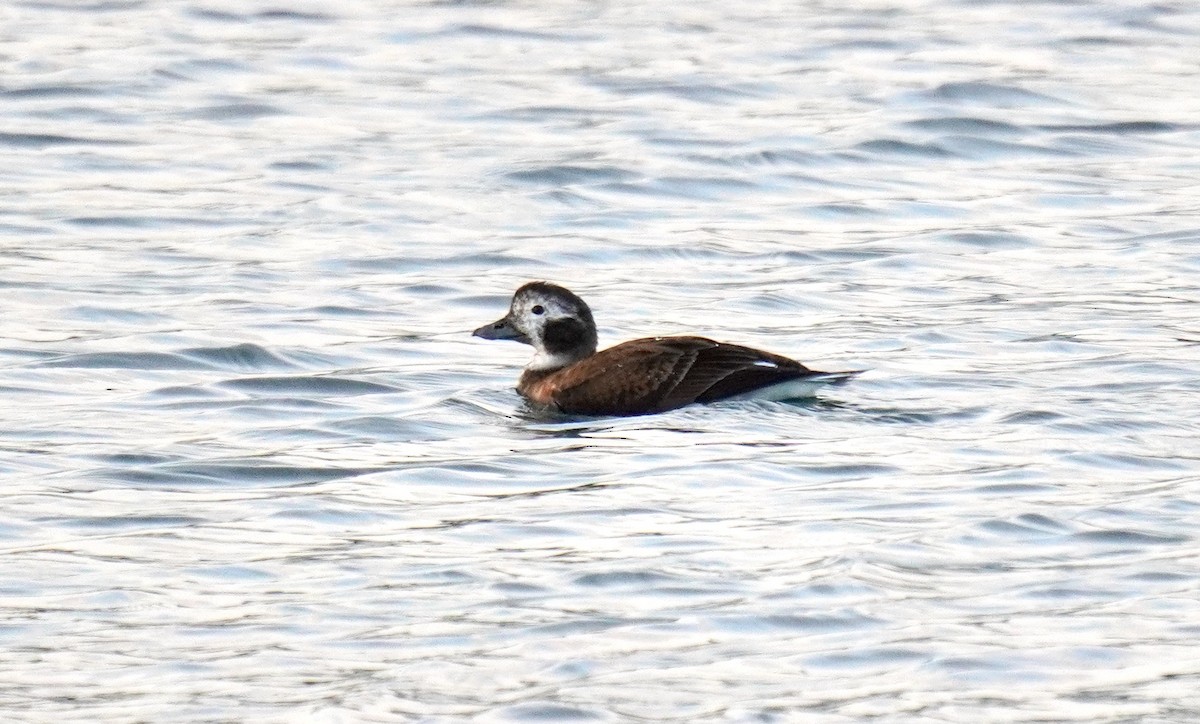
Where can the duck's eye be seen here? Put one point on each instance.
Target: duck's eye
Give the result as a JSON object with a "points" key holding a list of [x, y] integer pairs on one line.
{"points": [[537, 309]]}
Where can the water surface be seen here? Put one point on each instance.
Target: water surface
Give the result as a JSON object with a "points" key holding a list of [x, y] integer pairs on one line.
{"points": [[255, 468]]}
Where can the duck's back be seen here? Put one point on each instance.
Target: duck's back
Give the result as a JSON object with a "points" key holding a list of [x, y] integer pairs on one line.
{"points": [[660, 373]]}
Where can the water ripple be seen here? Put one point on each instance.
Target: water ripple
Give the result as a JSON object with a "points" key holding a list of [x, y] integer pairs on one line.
{"points": [[256, 468]]}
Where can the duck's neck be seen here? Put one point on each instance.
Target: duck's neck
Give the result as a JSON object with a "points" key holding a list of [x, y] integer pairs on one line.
{"points": [[547, 361], [562, 343]]}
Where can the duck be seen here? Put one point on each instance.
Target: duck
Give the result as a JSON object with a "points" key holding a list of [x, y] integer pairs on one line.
{"points": [[639, 377]]}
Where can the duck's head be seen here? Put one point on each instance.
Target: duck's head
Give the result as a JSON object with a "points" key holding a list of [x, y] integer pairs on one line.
{"points": [[552, 319]]}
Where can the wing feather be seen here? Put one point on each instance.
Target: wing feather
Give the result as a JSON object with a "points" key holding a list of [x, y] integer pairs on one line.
{"points": [[653, 375], [629, 376]]}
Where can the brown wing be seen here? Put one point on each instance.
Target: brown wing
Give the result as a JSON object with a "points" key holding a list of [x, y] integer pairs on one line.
{"points": [[653, 375], [724, 370], [630, 378]]}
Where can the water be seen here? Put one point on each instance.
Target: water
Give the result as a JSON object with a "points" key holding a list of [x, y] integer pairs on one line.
{"points": [[255, 469]]}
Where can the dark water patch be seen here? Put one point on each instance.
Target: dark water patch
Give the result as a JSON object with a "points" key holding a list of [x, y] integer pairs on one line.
{"points": [[993, 94], [827, 182], [91, 7], [334, 310], [45, 140], [51, 91], [545, 711], [215, 15], [93, 117], [425, 265], [1161, 576], [705, 590], [988, 239], [248, 474], [567, 175], [920, 417], [672, 142], [519, 588], [1128, 537], [1057, 341], [1126, 128], [288, 14], [609, 218], [207, 66], [231, 573], [431, 290], [570, 198], [113, 314], [505, 476], [866, 657], [445, 575], [128, 521], [843, 211], [496, 31], [574, 116], [300, 166], [133, 459], [1117, 461], [578, 626], [150, 222], [243, 356], [800, 259], [766, 157], [1025, 527], [1068, 593], [325, 517], [623, 579], [837, 48], [846, 254], [894, 147], [27, 354], [966, 126], [960, 664], [1012, 489], [692, 188], [774, 623], [22, 230], [847, 472], [129, 222], [391, 428], [1042, 522], [1187, 235], [288, 434], [914, 209], [126, 360], [1106, 427], [1099, 41], [307, 385], [1107, 146], [539, 112], [985, 148], [268, 14], [699, 91], [235, 112], [1031, 417], [270, 409], [188, 392]]}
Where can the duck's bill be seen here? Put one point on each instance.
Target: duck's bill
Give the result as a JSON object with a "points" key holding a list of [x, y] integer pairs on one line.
{"points": [[501, 329]]}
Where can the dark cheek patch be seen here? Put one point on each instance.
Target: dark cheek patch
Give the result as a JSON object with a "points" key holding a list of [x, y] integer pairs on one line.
{"points": [[563, 335]]}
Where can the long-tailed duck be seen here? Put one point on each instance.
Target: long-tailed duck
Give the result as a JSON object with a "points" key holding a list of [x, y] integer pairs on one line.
{"points": [[642, 376]]}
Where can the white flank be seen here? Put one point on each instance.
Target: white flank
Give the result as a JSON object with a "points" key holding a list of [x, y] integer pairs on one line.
{"points": [[792, 389]]}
